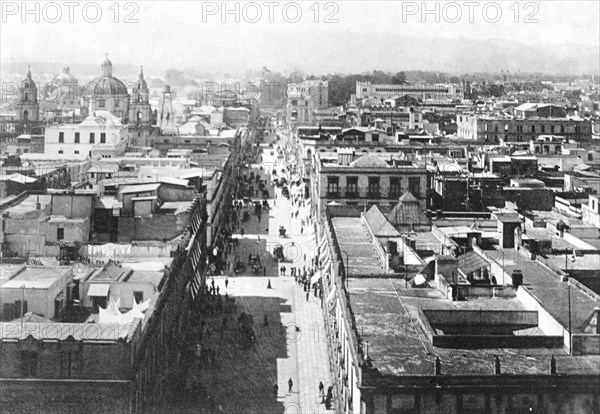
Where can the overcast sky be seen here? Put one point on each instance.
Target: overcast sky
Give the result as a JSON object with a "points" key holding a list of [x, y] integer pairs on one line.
{"points": [[197, 34]]}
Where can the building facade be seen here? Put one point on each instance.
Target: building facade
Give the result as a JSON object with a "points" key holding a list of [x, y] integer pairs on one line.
{"points": [[304, 98], [499, 129]]}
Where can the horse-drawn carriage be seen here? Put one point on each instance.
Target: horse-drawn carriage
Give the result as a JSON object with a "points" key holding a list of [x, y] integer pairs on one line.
{"points": [[239, 267]]}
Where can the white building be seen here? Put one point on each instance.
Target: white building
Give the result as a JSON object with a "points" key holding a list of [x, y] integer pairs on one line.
{"points": [[100, 135]]}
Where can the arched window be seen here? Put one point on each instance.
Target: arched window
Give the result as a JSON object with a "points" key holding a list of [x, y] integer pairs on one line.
{"points": [[25, 115], [26, 96]]}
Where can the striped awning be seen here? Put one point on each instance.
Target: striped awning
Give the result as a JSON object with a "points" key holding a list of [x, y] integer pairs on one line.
{"points": [[324, 255]]}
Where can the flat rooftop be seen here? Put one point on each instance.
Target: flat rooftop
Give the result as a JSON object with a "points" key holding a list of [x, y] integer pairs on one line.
{"points": [[386, 316], [36, 277], [353, 239], [28, 205], [548, 289]]}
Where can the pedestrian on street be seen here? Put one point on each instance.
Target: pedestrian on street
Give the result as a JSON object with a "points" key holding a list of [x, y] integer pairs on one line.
{"points": [[226, 283], [275, 389], [307, 294], [264, 270], [322, 391], [290, 385]]}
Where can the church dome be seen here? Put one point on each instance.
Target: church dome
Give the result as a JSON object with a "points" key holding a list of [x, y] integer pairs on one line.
{"points": [[106, 85], [65, 77]]}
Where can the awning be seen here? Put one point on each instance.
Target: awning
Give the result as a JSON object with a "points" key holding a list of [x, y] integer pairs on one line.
{"points": [[331, 295], [98, 290], [325, 263], [322, 242], [324, 255], [315, 278]]}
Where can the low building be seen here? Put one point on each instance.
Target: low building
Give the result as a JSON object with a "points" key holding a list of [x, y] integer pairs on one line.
{"points": [[45, 291]]}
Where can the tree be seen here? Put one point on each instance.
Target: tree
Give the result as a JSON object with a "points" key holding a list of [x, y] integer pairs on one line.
{"points": [[399, 79]]}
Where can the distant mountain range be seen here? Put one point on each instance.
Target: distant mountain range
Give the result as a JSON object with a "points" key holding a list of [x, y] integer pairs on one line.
{"points": [[346, 52]]}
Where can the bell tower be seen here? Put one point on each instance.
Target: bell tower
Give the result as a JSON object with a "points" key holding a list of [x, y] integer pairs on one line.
{"points": [[29, 107], [140, 111]]}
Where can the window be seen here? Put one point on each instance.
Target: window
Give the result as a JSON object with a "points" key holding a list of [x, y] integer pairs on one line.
{"points": [[60, 151], [395, 187], [103, 137], [373, 186], [76, 152], [351, 185], [333, 186], [562, 129], [92, 138], [68, 363], [294, 102], [29, 362], [77, 137], [552, 129], [101, 103], [543, 129], [495, 128], [61, 137], [116, 103], [414, 185], [138, 296], [375, 137], [533, 128], [60, 233]]}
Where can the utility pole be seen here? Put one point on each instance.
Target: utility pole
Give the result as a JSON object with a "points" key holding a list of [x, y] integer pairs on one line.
{"points": [[22, 303]]}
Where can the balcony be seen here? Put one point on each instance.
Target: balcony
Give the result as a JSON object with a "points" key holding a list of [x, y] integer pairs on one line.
{"points": [[352, 194], [374, 195], [333, 194]]}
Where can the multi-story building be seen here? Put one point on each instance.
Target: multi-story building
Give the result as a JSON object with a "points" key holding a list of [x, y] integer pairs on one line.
{"points": [[304, 98], [366, 179], [101, 134], [496, 129], [454, 334], [377, 93]]}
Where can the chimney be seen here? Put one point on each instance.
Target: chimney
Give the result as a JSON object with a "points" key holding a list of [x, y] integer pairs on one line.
{"points": [[438, 366], [38, 205], [552, 365], [91, 107]]}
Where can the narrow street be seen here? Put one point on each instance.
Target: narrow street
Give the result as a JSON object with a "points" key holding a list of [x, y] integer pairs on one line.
{"points": [[290, 341]]}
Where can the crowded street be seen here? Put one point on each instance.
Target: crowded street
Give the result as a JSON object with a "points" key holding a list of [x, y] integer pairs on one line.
{"points": [[265, 348]]}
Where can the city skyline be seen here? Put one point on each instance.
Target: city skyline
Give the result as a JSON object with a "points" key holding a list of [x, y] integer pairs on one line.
{"points": [[405, 37]]}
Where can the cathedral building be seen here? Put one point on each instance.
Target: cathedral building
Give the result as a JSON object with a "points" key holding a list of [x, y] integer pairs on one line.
{"points": [[107, 93]]}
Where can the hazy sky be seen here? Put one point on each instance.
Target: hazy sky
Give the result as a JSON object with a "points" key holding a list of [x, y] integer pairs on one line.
{"points": [[197, 34]]}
